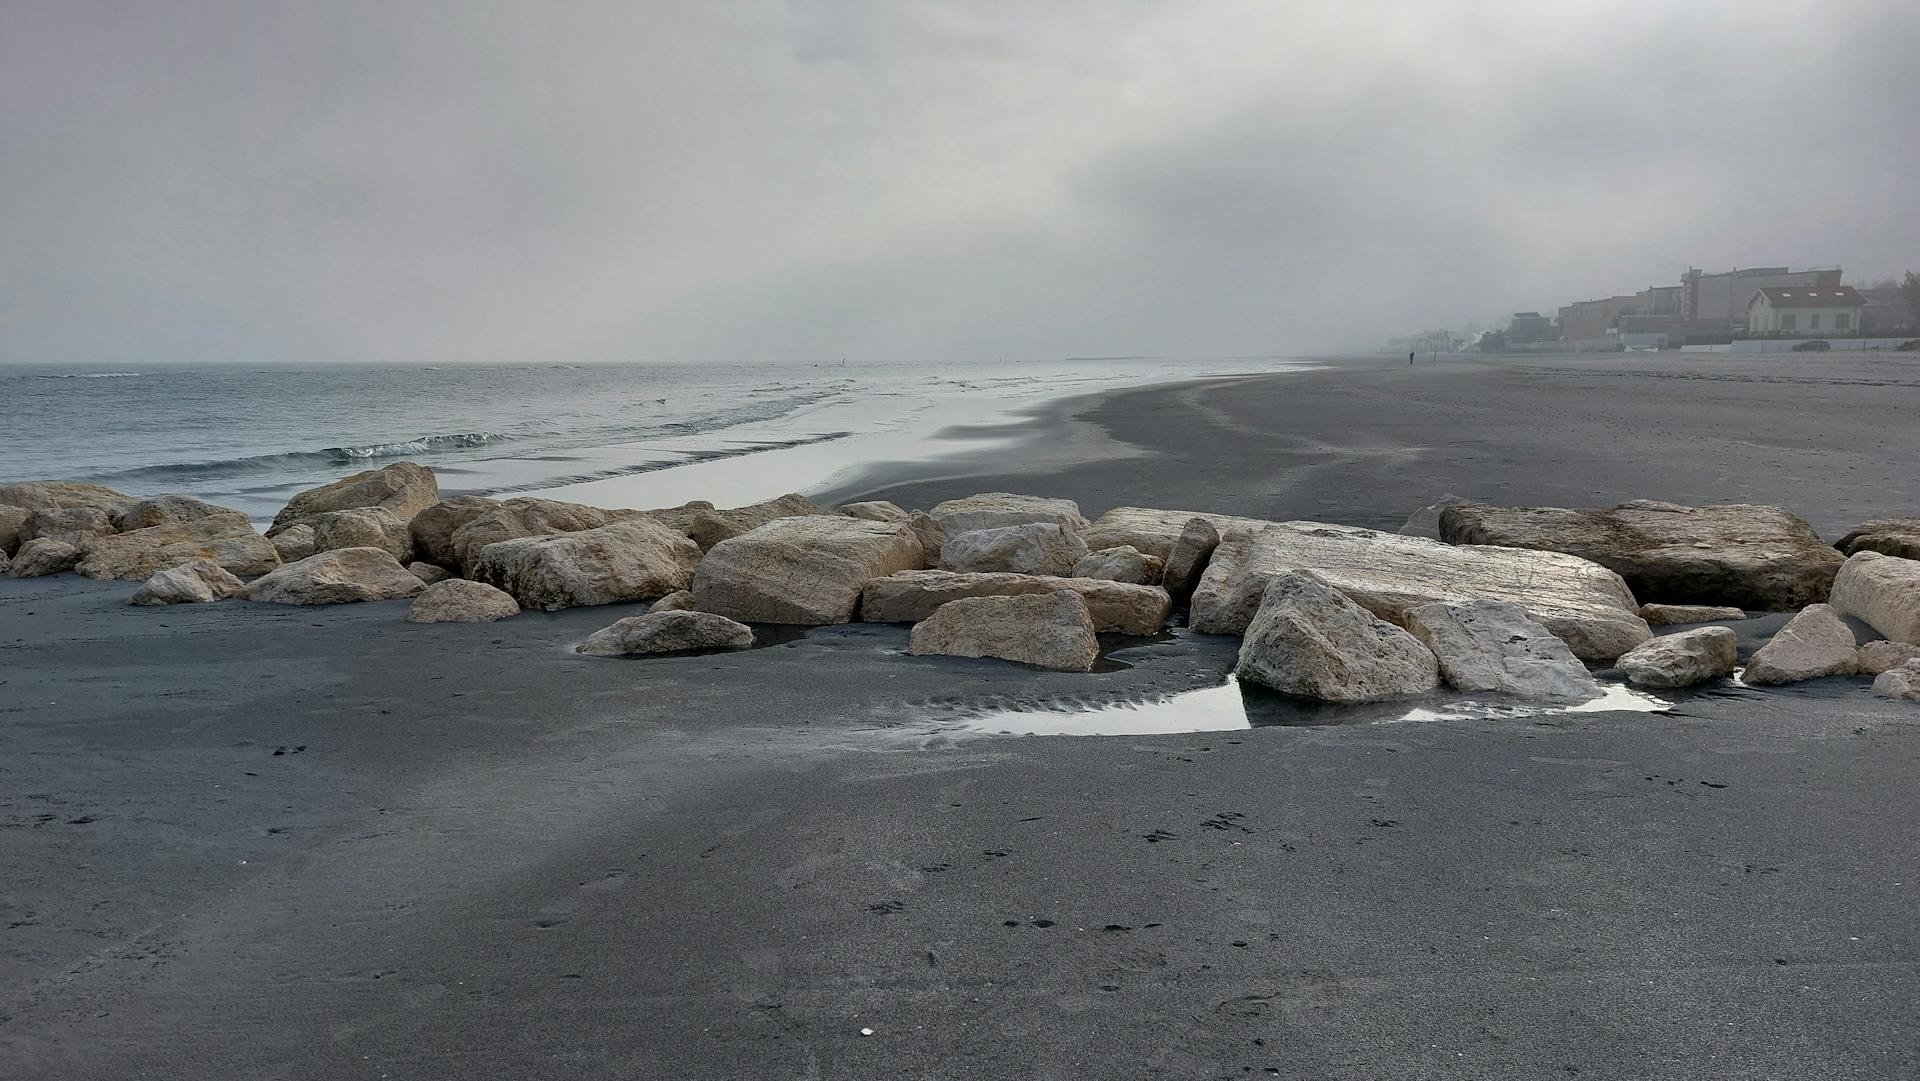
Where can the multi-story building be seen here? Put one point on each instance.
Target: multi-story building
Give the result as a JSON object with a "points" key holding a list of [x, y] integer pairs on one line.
{"points": [[1722, 298]]}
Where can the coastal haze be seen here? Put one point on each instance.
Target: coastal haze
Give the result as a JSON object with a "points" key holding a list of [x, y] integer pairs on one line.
{"points": [[740, 735]]}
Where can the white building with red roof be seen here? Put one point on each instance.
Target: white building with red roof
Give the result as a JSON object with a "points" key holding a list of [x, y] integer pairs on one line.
{"points": [[1807, 311]]}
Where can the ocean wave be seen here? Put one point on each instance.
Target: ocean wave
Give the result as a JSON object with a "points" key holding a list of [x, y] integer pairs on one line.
{"points": [[90, 375], [299, 459], [426, 444]]}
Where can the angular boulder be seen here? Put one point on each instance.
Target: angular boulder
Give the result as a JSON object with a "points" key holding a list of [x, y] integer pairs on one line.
{"points": [[43, 556], [992, 510], [676, 631], [75, 525], [11, 519], [876, 510], [432, 529], [1187, 559], [363, 527], [228, 540], [1584, 604], [342, 576], [1883, 592], [1745, 555], [197, 581], [163, 509], [457, 600], [911, 596], [5, 562], [1032, 548], [404, 488], [293, 543], [708, 525], [429, 572], [1123, 564], [1425, 522], [1814, 643], [1682, 659], [1877, 657], [1493, 646], [1902, 683], [514, 519], [1672, 615], [1158, 532], [624, 561], [1047, 630], [35, 495], [1309, 640], [680, 600], [1888, 536], [806, 570], [932, 535]]}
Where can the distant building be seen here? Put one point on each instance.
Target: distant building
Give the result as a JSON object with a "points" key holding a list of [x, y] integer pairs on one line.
{"points": [[1527, 326], [1722, 298], [1588, 320], [1805, 312], [1887, 311]]}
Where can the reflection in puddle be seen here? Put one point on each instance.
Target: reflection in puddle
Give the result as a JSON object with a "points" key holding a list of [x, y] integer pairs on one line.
{"points": [[1232, 706]]}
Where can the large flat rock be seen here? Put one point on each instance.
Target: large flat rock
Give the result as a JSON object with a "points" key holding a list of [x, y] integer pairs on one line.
{"points": [[911, 596], [404, 488], [342, 576], [1883, 592], [228, 540], [992, 510], [1048, 630], [631, 560], [806, 570], [1888, 536]]}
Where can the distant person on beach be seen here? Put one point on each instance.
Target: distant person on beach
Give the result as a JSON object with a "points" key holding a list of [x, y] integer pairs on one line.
{"points": [[1409, 360]]}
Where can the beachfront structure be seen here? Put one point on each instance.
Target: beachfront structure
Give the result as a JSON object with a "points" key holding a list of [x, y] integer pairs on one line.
{"points": [[1722, 299], [1808, 312]]}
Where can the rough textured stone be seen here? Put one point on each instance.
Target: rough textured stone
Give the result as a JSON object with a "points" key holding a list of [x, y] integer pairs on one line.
{"points": [[514, 519], [342, 576], [1425, 522], [228, 540], [61, 494], [1309, 640], [1049, 630], [75, 525], [876, 510], [1671, 615], [992, 510], [162, 509], [1745, 555], [1586, 605], [11, 519], [457, 600], [293, 543], [801, 570], [1814, 643], [5, 563], [676, 631], [1123, 564], [932, 535], [43, 556], [1033, 548], [709, 525], [1902, 683], [1888, 536], [197, 581], [1493, 646], [363, 527], [429, 572], [1883, 592], [432, 529], [680, 600], [404, 488], [911, 596], [1877, 657], [1187, 559], [624, 561], [1682, 659]]}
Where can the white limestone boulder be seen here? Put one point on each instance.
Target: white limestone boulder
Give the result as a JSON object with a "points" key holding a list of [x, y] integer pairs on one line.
{"points": [[1032, 548], [680, 600], [1309, 640], [198, 581], [162, 509], [674, 631], [1877, 657], [876, 510], [1888, 536], [35, 495], [363, 527], [1902, 683], [227, 539], [628, 560], [519, 518], [1674, 615], [993, 510], [807, 570], [1048, 630], [1682, 659], [293, 543], [1123, 564], [1814, 643], [404, 488], [708, 525], [456, 600], [1883, 592], [342, 576], [1493, 646], [1187, 559], [911, 596], [432, 529], [43, 556], [75, 525]]}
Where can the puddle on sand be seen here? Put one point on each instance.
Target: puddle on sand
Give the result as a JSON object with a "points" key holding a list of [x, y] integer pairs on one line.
{"points": [[1230, 707]]}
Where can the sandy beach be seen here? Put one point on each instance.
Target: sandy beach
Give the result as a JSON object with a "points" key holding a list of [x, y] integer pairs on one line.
{"points": [[247, 841]]}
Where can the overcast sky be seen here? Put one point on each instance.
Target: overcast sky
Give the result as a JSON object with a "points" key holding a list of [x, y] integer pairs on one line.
{"points": [[892, 180]]}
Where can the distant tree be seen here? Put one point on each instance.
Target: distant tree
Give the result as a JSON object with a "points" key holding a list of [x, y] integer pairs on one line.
{"points": [[1493, 342], [1910, 288]]}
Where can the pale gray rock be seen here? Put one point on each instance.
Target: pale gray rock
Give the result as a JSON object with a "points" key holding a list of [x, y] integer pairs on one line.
{"points": [[404, 488], [163, 509], [1888, 536], [1584, 604], [1493, 646], [1187, 559], [1309, 640], [1882, 656], [708, 525], [514, 519], [1746, 555], [1123, 564], [677, 631], [11, 519], [75, 525], [1672, 615], [1425, 522], [43, 556], [197, 581], [342, 576], [876, 510], [432, 529], [932, 535], [1683, 658], [363, 527], [61, 494], [623, 561], [293, 543], [680, 600], [1033, 548], [456, 600], [911, 596], [992, 510], [806, 570], [428, 572], [1883, 592], [227, 539], [1814, 643], [1048, 630], [1901, 683]]}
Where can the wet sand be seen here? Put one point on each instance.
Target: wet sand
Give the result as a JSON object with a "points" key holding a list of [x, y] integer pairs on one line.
{"points": [[245, 841]]}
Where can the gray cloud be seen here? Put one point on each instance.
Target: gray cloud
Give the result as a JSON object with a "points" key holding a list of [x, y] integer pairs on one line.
{"points": [[898, 180]]}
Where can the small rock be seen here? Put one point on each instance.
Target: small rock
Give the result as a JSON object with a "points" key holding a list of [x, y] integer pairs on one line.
{"points": [[293, 543], [197, 581], [993, 510], [1902, 682], [1123, 564], [11, 519], [932, 535], [1187, 560], [1050, 630], [1888, 536], [876, 510], [429, 572], [676, 631], [432, 529], [1671, 615], [1814, 643], [457, 600], [1493, 646], [1032, 548], [162, 509], [75, 525], [1425, 522], [680, 600], [43, 556], [1877, 657], [1308, 639], [1682, 659], [342, 576], [912, 596]]}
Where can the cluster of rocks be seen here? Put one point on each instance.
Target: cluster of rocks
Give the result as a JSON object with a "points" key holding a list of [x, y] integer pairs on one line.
{"points": [[1518, 601]]}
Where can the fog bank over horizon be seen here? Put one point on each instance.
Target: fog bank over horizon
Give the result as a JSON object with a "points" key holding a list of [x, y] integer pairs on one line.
{"points": [[883, 180]]}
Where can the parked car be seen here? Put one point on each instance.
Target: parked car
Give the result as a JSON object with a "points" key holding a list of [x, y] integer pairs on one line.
{"points": [[1814, 346]]}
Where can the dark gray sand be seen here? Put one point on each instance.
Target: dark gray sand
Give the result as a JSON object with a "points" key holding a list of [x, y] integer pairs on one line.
{"points": [[257, 842]]}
